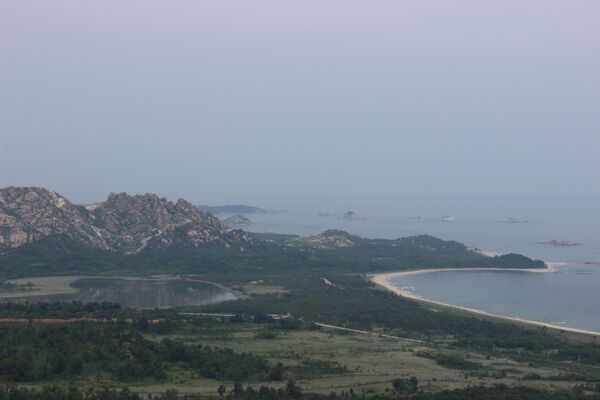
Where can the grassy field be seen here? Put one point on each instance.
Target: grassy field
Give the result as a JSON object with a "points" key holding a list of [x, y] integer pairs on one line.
{"points": [[372, 362], [41, 286], [367, 363]]}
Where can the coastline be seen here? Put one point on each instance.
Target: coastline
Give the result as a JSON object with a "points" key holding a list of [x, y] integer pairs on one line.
{"points": [[384, 280]]}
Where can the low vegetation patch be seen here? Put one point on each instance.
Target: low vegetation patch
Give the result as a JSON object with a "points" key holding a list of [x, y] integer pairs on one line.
{"points": [[451, 360]]}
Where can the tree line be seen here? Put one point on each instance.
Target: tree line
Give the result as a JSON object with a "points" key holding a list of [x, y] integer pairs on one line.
{"points": [[32, 353], [292, 391]]}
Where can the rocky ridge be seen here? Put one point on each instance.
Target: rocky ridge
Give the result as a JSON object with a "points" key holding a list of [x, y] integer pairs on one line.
{"points": [[123, 223]]}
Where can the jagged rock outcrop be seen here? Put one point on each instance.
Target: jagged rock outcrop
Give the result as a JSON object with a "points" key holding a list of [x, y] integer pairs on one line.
{"points": [[122, 223]]}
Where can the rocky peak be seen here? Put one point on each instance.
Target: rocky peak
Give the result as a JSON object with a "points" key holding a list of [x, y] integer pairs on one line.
{"points": [[136, 220], [124, 223], [30, 213], [189, 207], [28, 198], [153, 210]]}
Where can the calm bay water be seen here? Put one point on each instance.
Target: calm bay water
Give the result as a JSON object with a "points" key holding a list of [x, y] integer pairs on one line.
{"points": [[571, 297]]}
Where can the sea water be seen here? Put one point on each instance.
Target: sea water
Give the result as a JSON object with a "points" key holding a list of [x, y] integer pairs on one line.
{"points": [[571, 297]]}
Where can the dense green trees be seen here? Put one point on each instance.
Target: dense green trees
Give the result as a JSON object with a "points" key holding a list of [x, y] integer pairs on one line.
{"points": [[42, 352], [63, 255], [215, 363], [406, 385], [59, 310], [292, 391]]}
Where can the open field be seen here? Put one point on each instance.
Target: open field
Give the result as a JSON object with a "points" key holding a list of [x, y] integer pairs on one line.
{"points": [[42, 286], [372, 362]]}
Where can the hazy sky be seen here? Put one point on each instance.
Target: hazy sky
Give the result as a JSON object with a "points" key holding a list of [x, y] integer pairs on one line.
{"points": [[266, 101]]}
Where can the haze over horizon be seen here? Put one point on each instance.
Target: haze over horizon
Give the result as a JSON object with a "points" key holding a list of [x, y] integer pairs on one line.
{"points": [[270, 102]]}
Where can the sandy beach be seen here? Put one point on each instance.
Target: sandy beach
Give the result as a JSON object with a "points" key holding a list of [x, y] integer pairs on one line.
{"points": [[385, 281]]}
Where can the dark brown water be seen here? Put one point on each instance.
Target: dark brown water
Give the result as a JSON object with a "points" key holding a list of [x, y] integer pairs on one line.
{"points": [[145, 293]]}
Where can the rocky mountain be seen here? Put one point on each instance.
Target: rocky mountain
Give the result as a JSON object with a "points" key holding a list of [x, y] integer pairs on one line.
{"points": [[123, 223], [29, 214]]}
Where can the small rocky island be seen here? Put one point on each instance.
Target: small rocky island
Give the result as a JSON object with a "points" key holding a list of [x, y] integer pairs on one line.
{"points": [[351, 215], [515, 220], [560, 243], [448, 218]]}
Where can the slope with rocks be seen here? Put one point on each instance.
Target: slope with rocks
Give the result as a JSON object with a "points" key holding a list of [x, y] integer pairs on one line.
{"points": [[28, 214], [123, 223]]}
